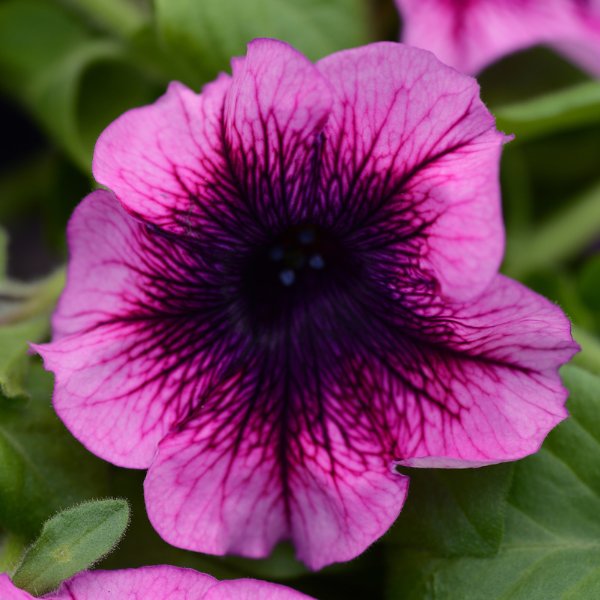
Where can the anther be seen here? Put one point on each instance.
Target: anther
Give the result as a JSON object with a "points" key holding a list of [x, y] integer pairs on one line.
{"points": [[287, 277], [316, 261]]}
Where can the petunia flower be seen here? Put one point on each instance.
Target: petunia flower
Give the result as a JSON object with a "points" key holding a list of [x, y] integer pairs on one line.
{"points": [[162, 582], [298, 288], [471, 34]]}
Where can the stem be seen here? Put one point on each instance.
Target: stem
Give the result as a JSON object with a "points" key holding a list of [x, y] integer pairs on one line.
{"points": [[120, 16], [559, 239]]}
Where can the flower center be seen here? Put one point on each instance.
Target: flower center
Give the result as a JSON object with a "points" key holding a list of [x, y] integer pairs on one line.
{"points": [[297, 277], [301, 248]]}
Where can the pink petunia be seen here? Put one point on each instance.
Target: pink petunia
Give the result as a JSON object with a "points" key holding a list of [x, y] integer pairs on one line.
{"points": [[162, 582], [471, 34], [298, 288]]}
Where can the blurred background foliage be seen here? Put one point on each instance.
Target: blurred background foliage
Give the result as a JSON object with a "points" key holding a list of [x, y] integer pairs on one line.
{"points": [[70, 67]]}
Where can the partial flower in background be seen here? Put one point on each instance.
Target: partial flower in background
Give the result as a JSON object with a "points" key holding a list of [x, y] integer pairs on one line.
{"points": [[301, 290], [162, 582], [471, 34]]}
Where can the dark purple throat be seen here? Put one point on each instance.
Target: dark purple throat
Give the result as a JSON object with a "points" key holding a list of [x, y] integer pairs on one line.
{"points": [[297, 277]]}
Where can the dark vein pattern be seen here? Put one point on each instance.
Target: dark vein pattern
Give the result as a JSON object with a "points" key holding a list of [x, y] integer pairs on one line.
{"points": [[307, 295]]}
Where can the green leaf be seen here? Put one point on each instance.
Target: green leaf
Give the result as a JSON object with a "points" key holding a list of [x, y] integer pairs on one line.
{"points": [[24, 317], [453, 511], [557, 240], [13, 353], [43, 469], [123, 17], [551, 544], [73, 82], [564, 109], [70, 542], [77, 98], [34, 35], [209, 33]]}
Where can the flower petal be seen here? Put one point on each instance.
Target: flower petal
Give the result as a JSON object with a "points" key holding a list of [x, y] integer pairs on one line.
{"points": [[243, 149], [161, 582], [251, 589], [410, 143], [266, 460], [120, 384], [166, 162], [102, 242], [274, 114], [471, 35], [491, 389]]}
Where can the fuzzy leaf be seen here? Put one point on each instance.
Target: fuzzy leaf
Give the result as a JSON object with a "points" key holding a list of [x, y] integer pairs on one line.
{"points": [[70, 542]]}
